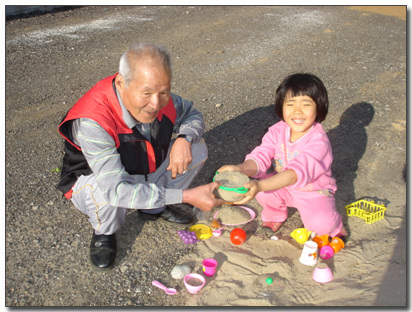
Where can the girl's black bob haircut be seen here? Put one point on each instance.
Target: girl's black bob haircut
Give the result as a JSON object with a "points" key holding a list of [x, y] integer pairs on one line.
{"points": [[303, 84]]}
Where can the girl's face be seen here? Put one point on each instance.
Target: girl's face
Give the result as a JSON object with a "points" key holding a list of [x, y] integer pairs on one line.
{"points": [[299, 112]]}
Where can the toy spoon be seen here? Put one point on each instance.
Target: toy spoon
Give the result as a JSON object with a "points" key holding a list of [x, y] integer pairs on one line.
{"points": [[168, 291]]}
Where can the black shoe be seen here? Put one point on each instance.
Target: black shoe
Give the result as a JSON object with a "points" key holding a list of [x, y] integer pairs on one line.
{"points": [[103, 250], [174, 215]]}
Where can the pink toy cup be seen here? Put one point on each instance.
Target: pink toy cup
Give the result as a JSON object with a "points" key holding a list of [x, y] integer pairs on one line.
{"points": [[194, 282], [322, 275], [209, 266]]}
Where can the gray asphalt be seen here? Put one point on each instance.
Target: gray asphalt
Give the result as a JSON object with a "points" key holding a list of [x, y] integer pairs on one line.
{"points": [[229, 61]]}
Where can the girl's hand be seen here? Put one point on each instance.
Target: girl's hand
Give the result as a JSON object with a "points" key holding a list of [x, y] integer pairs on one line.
{"points": [[253, 187], [228, 168]]}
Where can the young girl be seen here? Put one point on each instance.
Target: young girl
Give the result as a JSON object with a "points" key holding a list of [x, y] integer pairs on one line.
{"points": [[300, 152]]}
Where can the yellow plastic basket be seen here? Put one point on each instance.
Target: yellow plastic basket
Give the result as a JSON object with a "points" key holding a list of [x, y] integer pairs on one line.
{"points": [[367, 210]]}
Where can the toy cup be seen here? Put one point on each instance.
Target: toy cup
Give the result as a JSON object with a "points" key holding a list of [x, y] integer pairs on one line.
{"points": [[321, 240], [322, 275], [326, 252], [309, 254], [337, 244], [209, 266], [301, 235], [194, 282]]}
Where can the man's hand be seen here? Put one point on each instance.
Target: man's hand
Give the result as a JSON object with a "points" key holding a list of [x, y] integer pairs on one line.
{"points": [[180, 157], [202, 196]]}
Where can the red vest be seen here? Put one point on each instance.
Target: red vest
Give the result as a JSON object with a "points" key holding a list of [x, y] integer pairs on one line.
{"points": [[137, 154]]}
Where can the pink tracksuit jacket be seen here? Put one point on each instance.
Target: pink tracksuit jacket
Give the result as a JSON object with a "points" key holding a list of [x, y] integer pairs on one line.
{"points": [[313, 193]]}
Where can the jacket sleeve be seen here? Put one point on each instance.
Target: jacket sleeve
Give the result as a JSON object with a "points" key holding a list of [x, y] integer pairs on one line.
{"points": [[119, 188], [189, 120], [263, 154]]}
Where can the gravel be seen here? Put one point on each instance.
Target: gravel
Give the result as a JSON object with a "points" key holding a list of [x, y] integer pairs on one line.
{"points": [[229, 61]]}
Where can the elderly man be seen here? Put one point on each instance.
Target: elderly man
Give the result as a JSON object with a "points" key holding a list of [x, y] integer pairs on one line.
{"points": [[120, 155]]}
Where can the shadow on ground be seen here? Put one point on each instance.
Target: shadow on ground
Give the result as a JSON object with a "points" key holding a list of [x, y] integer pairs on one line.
{"points": [[349, 140]]}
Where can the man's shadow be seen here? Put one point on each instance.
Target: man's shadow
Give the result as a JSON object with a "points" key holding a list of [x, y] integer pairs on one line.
{"points": [[349, 140]]}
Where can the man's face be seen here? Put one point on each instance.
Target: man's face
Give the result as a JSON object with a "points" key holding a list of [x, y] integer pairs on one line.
{"points": [[147, 93]]}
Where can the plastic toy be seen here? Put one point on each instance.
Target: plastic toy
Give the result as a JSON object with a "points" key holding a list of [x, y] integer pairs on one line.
{"points": [[232, 185], [301, 235], [321, 240], [309, 254], [322, 275], [240, 190], [209, 266], [215, 224], [188, 237], [326, 252], [217, 233], [237, 236], [367, 210], [251, 212], [202, 231], [337, 244], [168, 291], [194, 282], [268, 284]]}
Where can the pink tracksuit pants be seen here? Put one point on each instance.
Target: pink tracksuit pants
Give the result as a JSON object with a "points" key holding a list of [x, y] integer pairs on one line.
{"points": [[317, 211]]}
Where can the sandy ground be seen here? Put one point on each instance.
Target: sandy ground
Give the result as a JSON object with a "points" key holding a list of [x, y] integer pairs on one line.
{"points": [[228, 60]]}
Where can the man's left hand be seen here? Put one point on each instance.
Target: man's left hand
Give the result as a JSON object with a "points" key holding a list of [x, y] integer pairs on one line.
{"points": [[180, 157]]}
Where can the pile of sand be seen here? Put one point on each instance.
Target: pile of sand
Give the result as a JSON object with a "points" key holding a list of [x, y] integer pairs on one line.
{"points": [[229, 214], [358, 269]]}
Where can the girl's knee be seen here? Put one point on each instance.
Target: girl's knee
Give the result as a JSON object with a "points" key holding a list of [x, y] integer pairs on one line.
{"points": [[324, 225]]}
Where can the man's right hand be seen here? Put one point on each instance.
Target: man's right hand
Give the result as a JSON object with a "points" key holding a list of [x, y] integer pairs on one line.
{"points": [[203, 196]]}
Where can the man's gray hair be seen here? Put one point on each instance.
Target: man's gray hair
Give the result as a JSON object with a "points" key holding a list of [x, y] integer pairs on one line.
{"points": [[141, 50]]}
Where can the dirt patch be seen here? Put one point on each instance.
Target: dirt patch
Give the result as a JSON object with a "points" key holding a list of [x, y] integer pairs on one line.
{"points": [[397, 11], [228, 60]]}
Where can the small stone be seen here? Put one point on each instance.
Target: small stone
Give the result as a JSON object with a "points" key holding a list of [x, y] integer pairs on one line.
{"points": [[123, 268], [274, 238], [218, 105], [180, 271]]}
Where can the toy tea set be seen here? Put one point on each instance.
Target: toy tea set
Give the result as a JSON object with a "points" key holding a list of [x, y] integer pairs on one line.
{"points": [[313, 245], [325, 246], [232, 183], [194, 282]]}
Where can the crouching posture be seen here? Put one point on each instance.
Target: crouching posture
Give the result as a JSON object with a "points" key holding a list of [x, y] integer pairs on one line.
{"points": [[120, 155]]}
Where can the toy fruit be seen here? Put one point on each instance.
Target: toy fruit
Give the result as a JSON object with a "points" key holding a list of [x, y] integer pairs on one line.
{"points": [[188, 237], [237, 236], [215, 224], [326, 252], [321, 240], [337, 244]]}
